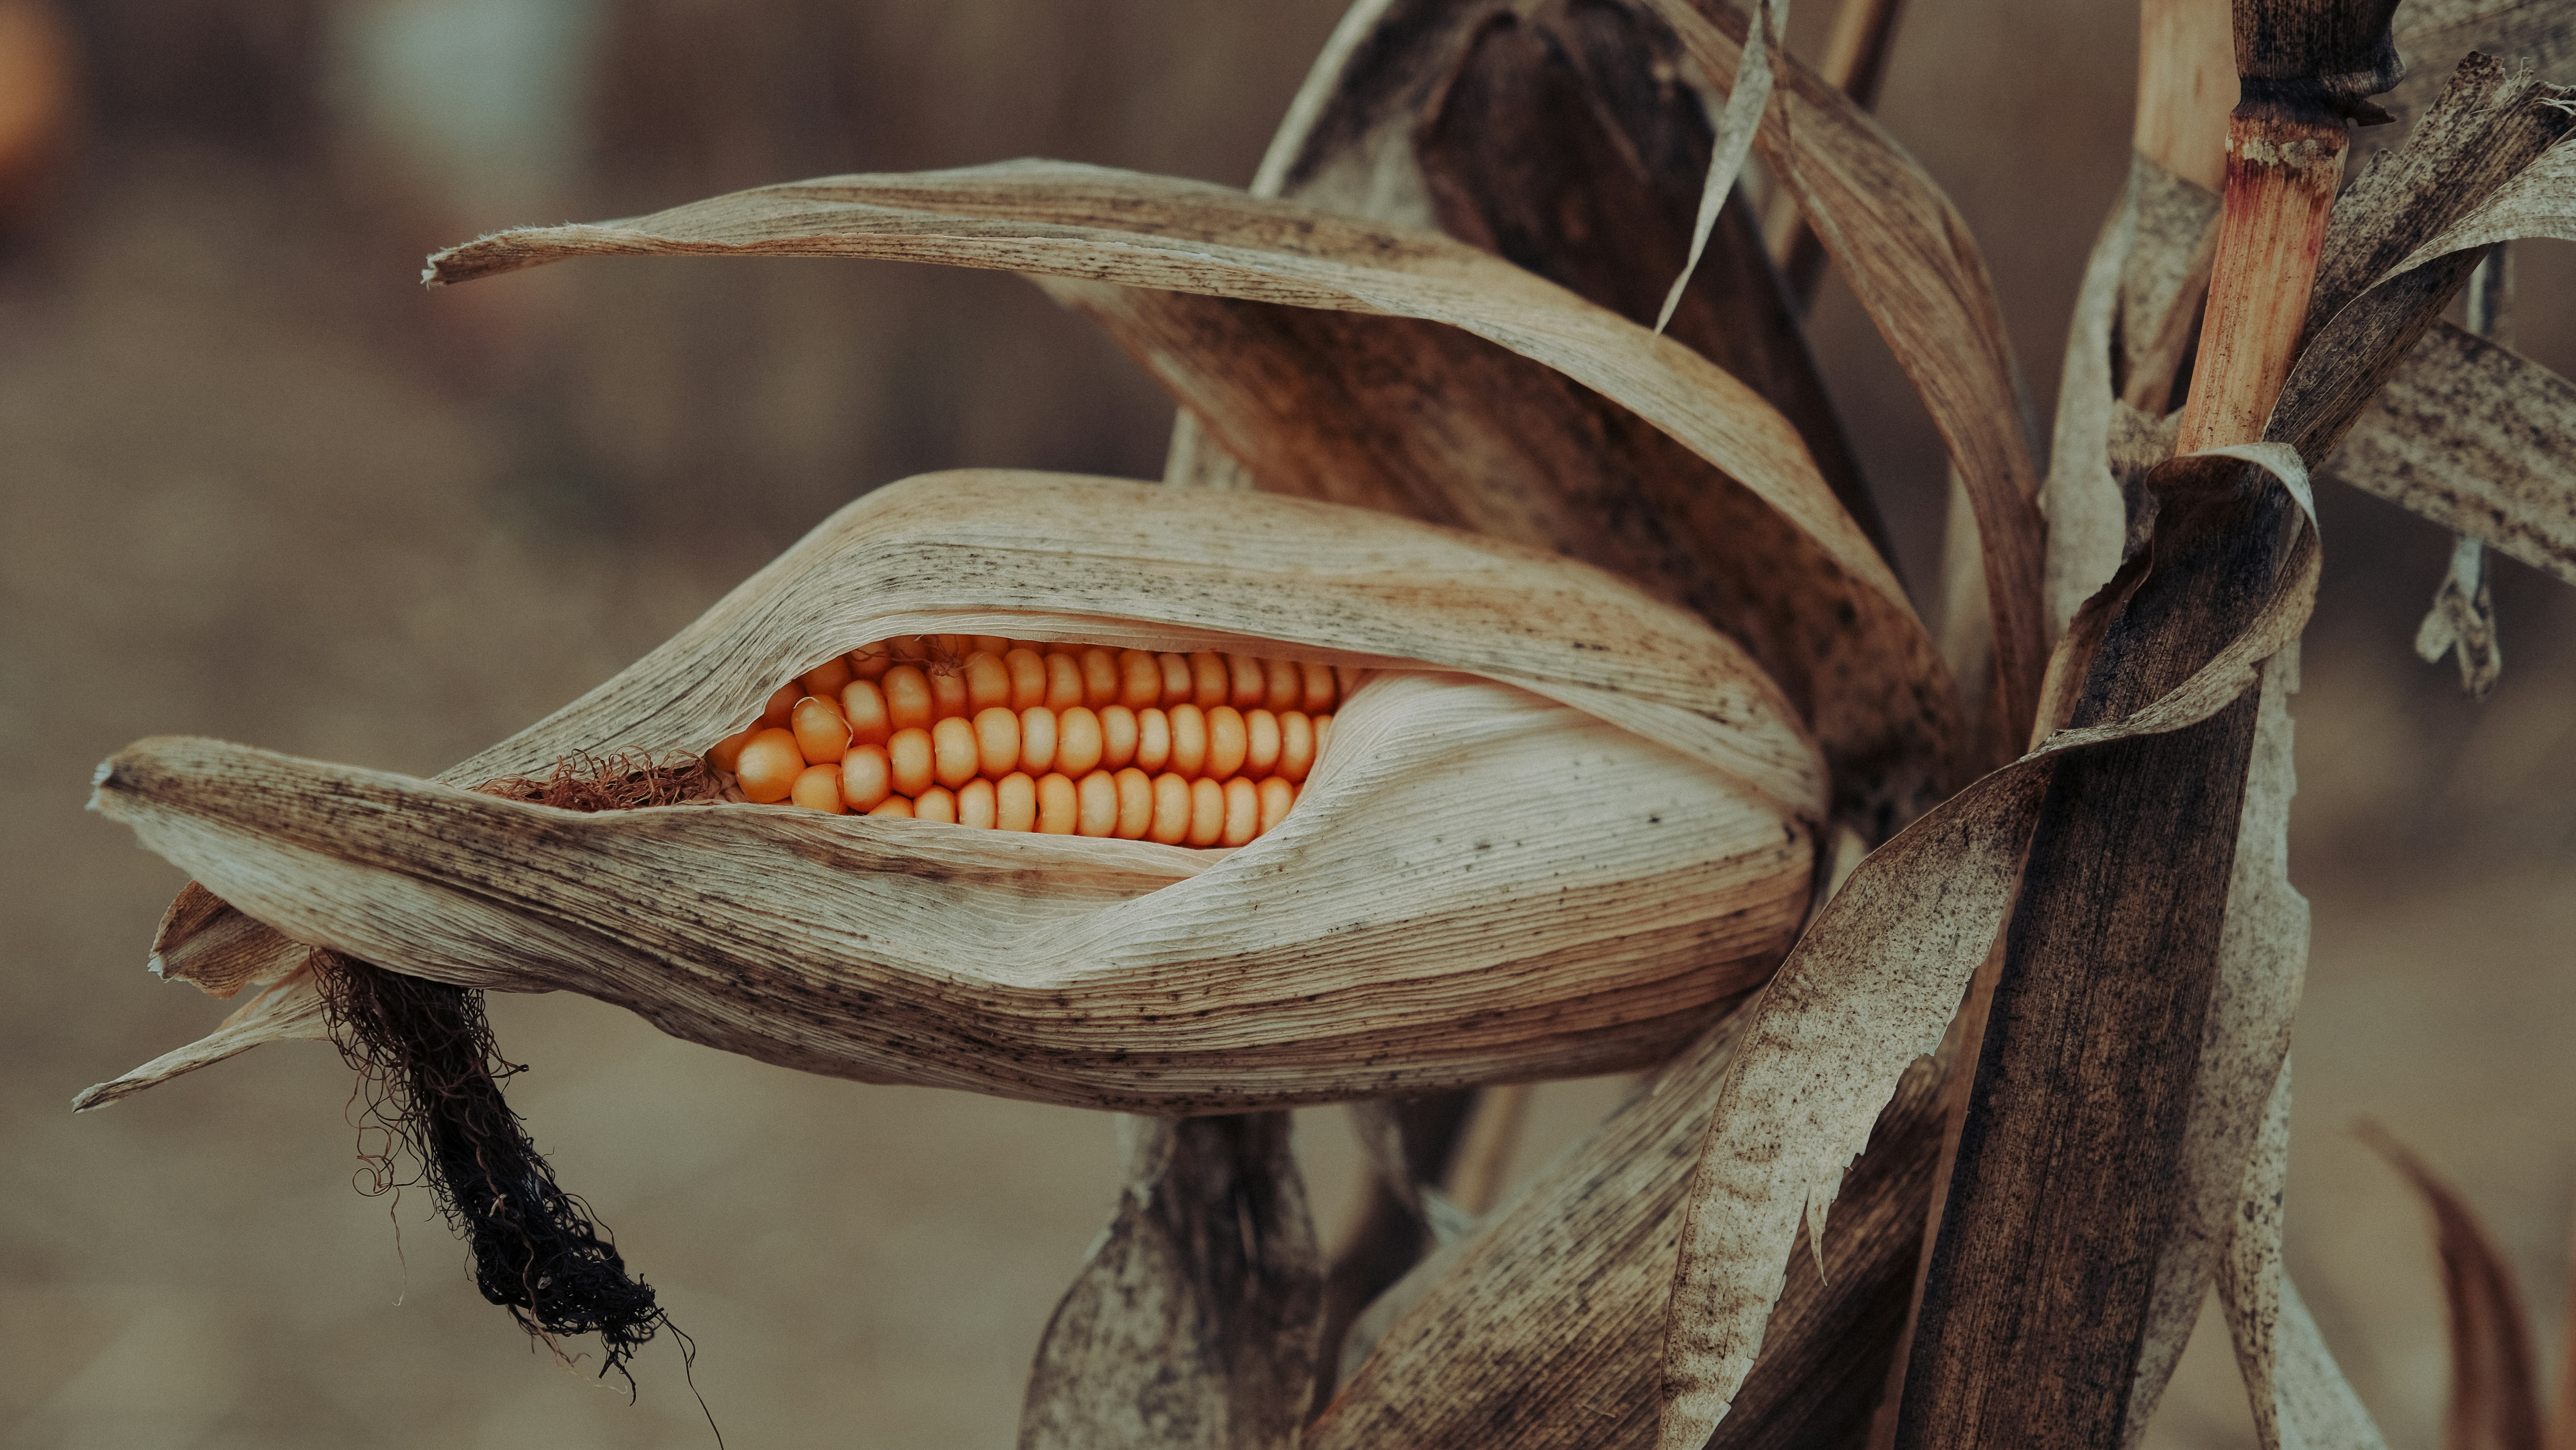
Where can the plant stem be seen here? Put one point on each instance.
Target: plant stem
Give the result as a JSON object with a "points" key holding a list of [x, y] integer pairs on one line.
{"points": [[2282, 167]]}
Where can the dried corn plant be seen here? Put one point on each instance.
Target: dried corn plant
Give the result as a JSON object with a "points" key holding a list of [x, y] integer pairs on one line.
{"points": [[1509, 680]]}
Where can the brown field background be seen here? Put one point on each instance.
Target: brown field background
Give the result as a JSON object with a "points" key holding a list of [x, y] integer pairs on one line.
{"points": [[255, 483]]}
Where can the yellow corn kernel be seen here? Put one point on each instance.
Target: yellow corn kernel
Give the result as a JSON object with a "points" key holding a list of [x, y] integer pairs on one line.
{"points": [[1153, 741], [907, 695], [1135, 803], [1028, 677], [768, 766], [872, 662], [938, 803], [914, 761], [726, 754], [988, 682], [818, 788], [863, 708], [1276, 797], [1319, 688], [825, 680], [1281, 687], [1140, 679], [1189, 739], [1296, 747], [1059, 807], [947, 694], [1101, 678], [781, 703], [1118, 737], [822, 736], [1096, 804], [1064, 680], [977, 805], [893, 805], [1015, 802], [1078, 742], [991, 644], [1171, 809], [997, 741], [1210, 681], [1037, 740], [1242, 812], [867, 777], [1176, 678], [1227, 742], [1261, 743], [1207, 812], [1250, 684], [955, 754]]}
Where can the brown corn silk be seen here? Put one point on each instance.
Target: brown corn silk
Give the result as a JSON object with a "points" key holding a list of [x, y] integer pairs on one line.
{"points": [[1563, 828]]}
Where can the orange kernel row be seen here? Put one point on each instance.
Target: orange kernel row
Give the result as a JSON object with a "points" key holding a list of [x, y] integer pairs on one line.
{"points": [[976, 730]]}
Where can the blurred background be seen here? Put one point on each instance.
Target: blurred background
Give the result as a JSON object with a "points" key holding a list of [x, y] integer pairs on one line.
{"points": [[256, 483]]}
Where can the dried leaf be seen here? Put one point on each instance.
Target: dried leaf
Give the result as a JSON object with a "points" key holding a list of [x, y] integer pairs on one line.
{"points": [[283, 1010], [2481, 168], [1559, 139], [1462, 843], [1910, 260], [1547, 1320], [2495, 1402], [2463, 619], [1870, 987], [2301, 1400], [2479, 439], [2434, 34], [1193, 1322], [1748, 93], [2262, 965]]}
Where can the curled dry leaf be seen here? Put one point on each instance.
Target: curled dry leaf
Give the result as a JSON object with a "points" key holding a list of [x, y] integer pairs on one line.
{"points": [[1911, 261], [1557, 835], [2495, 1398], [2301, 1400], [1564, 138], [1327, 413], [1873, 984], [1548, 1319]]}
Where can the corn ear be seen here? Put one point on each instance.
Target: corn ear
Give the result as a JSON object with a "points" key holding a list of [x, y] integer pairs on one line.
{"points": [[1562, 830]]}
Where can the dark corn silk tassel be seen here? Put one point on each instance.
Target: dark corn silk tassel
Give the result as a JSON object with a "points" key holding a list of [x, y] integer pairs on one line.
{"points": [[432, 1077]]}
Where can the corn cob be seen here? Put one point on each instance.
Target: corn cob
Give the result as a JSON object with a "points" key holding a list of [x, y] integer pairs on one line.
{"points": [[1202, 749]]}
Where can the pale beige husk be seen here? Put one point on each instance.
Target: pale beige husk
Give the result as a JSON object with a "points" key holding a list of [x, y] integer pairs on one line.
{"points": [[1558, 831]]}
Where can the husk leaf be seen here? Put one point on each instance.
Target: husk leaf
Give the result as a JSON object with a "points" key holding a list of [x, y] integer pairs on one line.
{"points": [[1556, 837], [1871, 986]]}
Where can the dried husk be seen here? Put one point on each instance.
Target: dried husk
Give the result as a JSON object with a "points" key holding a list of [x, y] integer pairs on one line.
{"points": [[2495, 1395], [1772, 557], [1558, 835]]}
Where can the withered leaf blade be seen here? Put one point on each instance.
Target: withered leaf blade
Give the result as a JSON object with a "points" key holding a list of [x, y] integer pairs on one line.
{"points": [[2495, 1399], [2301, 1400], [2479, 439], [1871, 986], [1912, 263], [1548, 1320], [1463, 842], [1093, 223], [1562, 141], [1192, 1325], [284, 1010]]}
